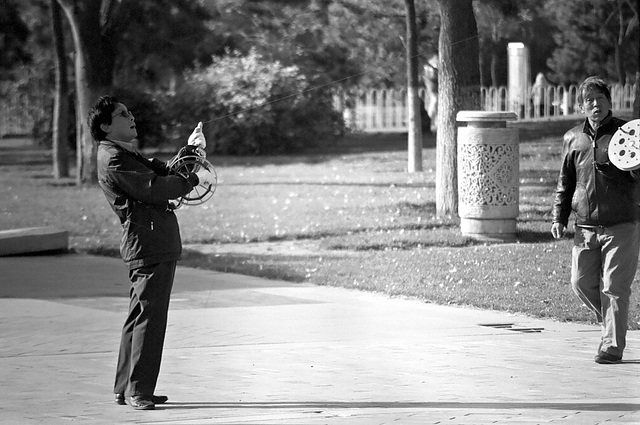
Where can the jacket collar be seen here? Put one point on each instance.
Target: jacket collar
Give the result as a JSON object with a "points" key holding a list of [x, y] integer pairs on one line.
{"points": [[124, 145], [606, 123]]}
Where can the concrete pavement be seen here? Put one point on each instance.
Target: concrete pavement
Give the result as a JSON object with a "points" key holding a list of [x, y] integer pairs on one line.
{"points": [[243, 350]]}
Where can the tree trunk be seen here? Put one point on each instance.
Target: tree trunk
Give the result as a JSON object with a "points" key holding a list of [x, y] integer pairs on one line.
{"points": [[459, 89], [94, 64], [483, 77], [636, 101], [494, 66], [413, 101], [622, 75], [60, 128]]}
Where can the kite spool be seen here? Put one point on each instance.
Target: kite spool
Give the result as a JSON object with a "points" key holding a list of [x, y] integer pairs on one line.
{"points": [[193, 160], [624, 147]]}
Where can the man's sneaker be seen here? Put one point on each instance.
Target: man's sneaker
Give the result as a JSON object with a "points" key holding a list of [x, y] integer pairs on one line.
{"points": [[605, 358]]}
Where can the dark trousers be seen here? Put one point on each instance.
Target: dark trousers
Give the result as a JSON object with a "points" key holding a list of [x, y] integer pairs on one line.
{"points": [[144, 330]]}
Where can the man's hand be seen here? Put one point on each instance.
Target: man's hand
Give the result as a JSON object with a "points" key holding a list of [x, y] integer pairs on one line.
{"points": [[205, 177], [197, 137], [557, 230]]}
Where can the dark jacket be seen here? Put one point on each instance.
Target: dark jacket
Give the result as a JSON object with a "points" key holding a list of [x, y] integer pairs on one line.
{"points": [[139, 190], [599, 193]]}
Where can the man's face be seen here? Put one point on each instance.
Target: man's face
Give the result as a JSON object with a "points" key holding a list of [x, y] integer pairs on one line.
{"points": [[123, 126], [596, 106]]}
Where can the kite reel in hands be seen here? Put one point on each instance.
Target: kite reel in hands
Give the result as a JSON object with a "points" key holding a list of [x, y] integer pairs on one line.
{"points": [[624, 147], [192, 159]]}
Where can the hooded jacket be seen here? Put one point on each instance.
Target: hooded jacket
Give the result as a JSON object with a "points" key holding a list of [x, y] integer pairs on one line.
{"points": [[599, 193], [139, 190]]}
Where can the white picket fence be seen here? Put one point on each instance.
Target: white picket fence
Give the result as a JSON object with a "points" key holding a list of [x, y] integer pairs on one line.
{"points": [[375, 110], [385, 110], [551, 102]]}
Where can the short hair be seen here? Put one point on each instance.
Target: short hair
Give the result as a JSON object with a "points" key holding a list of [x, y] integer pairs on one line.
{"points": [[593, 83], [101, 113]]}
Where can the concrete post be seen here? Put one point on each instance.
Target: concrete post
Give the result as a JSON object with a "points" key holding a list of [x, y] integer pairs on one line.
{"points": [[519, 78]]}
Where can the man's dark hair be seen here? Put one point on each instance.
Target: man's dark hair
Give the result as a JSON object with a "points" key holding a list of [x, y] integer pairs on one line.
{"points": [[101, 113], [593, 83]]}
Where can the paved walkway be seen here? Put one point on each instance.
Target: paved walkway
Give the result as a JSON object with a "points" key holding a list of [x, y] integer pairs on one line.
{"points": [[242, 350]]}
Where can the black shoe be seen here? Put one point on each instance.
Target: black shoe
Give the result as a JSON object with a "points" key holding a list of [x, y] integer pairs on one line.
{"points": [[120, 399], [605, 358], [141, 402], [156, 399], [159, 399]]}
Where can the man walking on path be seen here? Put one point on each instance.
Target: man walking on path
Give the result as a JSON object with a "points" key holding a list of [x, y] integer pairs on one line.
{"points": [[605, 203]]}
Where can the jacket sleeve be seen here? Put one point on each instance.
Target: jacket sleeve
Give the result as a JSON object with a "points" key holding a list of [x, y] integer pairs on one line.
{"points": [[566, 183], [140, 181]]}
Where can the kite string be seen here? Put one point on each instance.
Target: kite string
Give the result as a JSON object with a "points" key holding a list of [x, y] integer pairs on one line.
{"points": [[310, 89]]}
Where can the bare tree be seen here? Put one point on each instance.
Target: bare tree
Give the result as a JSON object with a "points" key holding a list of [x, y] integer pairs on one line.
{"points": [[636, 23], [61, 101], [413, 101], [636, 102], [458, 89], [94, 44]]}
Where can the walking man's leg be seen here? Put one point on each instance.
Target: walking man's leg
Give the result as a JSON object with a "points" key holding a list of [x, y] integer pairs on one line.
{"points": [[620, 253], [586, 270]]}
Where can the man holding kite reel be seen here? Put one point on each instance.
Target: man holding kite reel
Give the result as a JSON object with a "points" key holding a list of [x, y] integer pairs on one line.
{"points": [[144, 194]]}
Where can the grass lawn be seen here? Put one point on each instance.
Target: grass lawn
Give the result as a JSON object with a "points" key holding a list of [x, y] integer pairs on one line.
{"points": [[367, 223]]}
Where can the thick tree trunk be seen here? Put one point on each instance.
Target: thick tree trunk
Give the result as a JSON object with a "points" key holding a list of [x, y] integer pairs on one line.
{"points": [[459, 89], [636, 102], [60, 128], [494, 67], [622, 75], [413, 101], [94, 64]]}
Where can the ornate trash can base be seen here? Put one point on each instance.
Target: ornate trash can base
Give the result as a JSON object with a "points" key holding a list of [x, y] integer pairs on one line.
{"points": [[488, 175], [488, 229]]}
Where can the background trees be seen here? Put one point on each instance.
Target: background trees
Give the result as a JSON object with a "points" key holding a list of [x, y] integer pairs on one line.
{"points": [[101, 28], [141, 49], [253, 106], [502, 21], [13, 37], [592, 38]]}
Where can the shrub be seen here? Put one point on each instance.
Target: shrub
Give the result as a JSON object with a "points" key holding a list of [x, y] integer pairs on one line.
{"points": [[252, 106], [27, 102]]}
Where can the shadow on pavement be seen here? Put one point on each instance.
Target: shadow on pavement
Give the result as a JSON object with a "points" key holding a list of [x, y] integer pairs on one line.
{"points": [[597, 407]]}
